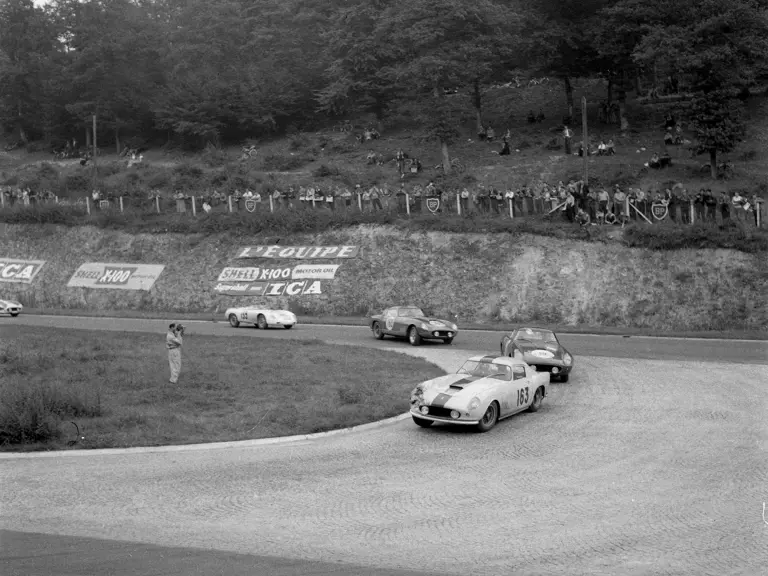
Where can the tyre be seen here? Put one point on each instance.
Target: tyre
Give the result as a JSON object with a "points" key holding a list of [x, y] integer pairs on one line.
{"points": [[288, 326], [14, 314], [413, 336], [538, 398], [261, 322], [422, 422], [253, 153], [233, 321], [564, 378], [377, 333], [490, 417], [448, 340]]}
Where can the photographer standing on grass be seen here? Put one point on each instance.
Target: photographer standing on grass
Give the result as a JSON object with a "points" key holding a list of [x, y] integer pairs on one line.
{"points": [[173, 341]]}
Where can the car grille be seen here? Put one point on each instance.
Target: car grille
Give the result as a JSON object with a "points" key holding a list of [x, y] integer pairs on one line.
{"points": [[440, 333], [439, 412]]}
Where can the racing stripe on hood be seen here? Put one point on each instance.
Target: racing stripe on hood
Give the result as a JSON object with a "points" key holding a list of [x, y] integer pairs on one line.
{"points": [[440, 400], [464, 381]]}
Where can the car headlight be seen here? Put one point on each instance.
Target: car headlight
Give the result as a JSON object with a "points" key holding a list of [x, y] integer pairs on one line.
{"points": [[474, 404], [424, 326], [567, 358]]}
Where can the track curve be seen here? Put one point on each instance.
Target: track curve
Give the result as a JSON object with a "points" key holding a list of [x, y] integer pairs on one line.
{"points": [[634, 467]]}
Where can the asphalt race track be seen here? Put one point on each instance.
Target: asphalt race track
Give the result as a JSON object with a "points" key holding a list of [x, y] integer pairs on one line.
{"points": [[651, 461]]}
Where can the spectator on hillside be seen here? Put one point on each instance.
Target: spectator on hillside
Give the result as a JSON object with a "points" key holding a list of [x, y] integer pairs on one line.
{"points": [[570, 206], [610, 150], [619, 204], [602, 201], [582, 218], [375, 198], [505, 150], [490, 134], [655, 161], [483, 133], [601, 149]]}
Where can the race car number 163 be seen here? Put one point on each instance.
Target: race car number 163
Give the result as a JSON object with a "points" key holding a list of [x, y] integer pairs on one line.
{"points": [[522, 396]]}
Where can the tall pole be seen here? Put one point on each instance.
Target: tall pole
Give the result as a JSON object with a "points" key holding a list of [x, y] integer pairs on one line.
{"points": [[94, 151], [585, 139]]}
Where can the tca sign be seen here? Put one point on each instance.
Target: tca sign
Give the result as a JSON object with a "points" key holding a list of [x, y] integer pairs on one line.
{"points": [[19, 271]]}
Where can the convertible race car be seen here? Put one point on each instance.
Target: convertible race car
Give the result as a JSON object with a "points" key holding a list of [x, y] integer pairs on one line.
{"points": [[10, 307], [539, 348], [411, 322], [260, 317], [485, 390]]}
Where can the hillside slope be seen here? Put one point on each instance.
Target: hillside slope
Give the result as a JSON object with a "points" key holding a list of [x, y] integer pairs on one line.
{"points": [[485, 278]]}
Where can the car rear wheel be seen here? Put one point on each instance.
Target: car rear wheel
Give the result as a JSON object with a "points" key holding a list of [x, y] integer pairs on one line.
{"points": [[288, 326], [233, 321], [490, 418], [14, 314], [377, 333], [422, 422], [538, 398], [261, 322], [448, 340], [413, 336]]}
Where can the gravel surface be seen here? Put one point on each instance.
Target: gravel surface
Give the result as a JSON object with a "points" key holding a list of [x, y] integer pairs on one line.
{"points": [[634, 467]]}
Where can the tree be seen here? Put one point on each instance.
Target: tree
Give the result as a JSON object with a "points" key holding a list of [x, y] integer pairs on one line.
{"points": [[721, 47], [438, 47]]}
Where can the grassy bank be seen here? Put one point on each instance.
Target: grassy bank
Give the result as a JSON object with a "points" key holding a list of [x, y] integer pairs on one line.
{"points": [[484, 278], [114, 386]]}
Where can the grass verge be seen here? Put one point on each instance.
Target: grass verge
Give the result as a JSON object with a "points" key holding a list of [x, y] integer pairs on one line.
{"points": [[363, 321], [115, 387]]}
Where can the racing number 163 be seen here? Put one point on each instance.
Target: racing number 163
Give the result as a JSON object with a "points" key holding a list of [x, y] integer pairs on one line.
{"points": [[522, 396]]}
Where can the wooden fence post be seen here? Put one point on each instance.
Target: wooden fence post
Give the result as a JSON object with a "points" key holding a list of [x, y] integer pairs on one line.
{"points": [[692, 212], [407, 204], [121, 203], [458, 203], [157, 204], [271, 204], [229, 201], [511, 210], [194, 208], [360, 202], [2, 199], [88, 205]]}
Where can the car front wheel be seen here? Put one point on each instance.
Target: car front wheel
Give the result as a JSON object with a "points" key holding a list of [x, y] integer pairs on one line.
{"points": [[490, 418], [413, 336], [422, 422], [261, 322], [288, 326], [377, 333], [233, 321], [14, 314], [448, 340]]}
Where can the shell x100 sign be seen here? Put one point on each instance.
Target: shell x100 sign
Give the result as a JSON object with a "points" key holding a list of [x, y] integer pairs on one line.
{"points": [[20, 271], [116, 276]]}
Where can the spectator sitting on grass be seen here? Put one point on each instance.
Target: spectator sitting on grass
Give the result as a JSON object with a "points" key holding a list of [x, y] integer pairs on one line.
{"points": [[655, 161], [490, 134], [610, 150], [602, 149], [206, 206], [483, 134], [582, 218], [505, 151]]}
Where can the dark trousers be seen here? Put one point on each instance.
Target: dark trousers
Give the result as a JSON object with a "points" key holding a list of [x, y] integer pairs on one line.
{"points": [[376, 204], [568, 146], [464, 205]]}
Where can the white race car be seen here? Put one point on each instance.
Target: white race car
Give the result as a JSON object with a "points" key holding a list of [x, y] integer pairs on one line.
{"points": [[10, 307], [485, 390], [261, 317]]}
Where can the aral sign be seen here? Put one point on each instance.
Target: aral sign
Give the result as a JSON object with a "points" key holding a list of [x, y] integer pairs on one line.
{"points": [[116, 276], [299, 252], [19, 271]]}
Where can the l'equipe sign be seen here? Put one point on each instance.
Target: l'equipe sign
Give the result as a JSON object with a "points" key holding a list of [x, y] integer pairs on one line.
{"points": [[256, 274], [19, 271], [285, 288], [299, 252], [116, 276]]}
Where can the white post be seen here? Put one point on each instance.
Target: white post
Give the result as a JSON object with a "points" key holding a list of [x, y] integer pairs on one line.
{"points": [[458, 203], [408, 204], [360, 202], [157, 204], [229, 200], [313, 200], [121, 203], [271, 204], [511, 211], [194, 208], [693, 212], [88, 205], [2, 199], [758, 212], [56, 199]]}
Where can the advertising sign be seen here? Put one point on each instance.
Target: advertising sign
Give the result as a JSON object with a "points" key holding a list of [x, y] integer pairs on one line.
{"points": [[254, 274], [315, 271], [116, 276], [433, 204], [299, 252], [659, 210], [19, 271], [283, 288]]}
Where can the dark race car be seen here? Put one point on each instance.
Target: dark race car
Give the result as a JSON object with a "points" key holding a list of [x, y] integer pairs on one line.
{"points": [[411, 322], [541, 349]]}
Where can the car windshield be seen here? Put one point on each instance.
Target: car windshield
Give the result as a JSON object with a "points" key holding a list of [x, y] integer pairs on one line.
{"points": [[486, 369], [411, 312], [535, 335]]}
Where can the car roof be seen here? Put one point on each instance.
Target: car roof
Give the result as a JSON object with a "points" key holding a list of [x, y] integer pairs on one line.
{"points": [[505, 360]]}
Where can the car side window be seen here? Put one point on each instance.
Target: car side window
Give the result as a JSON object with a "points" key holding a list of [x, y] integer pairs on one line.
{"points": [[519, 372]]}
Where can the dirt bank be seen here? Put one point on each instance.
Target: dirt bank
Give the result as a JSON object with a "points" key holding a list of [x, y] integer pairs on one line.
{"points": [[486, 278]]}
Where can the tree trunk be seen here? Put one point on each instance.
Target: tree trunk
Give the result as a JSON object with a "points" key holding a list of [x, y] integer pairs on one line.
{"points": [[117, 139], [637, 84], [379, 111], [569, 95], [478, 102], [713, 163], [623, 104], [609, 92], [446, 156], [87, 136], [20, 123]]}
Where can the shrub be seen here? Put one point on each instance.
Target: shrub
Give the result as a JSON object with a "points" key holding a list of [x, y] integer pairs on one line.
{"points": [[342, 147], [324, 171], [77, 184], [213, 156]]}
